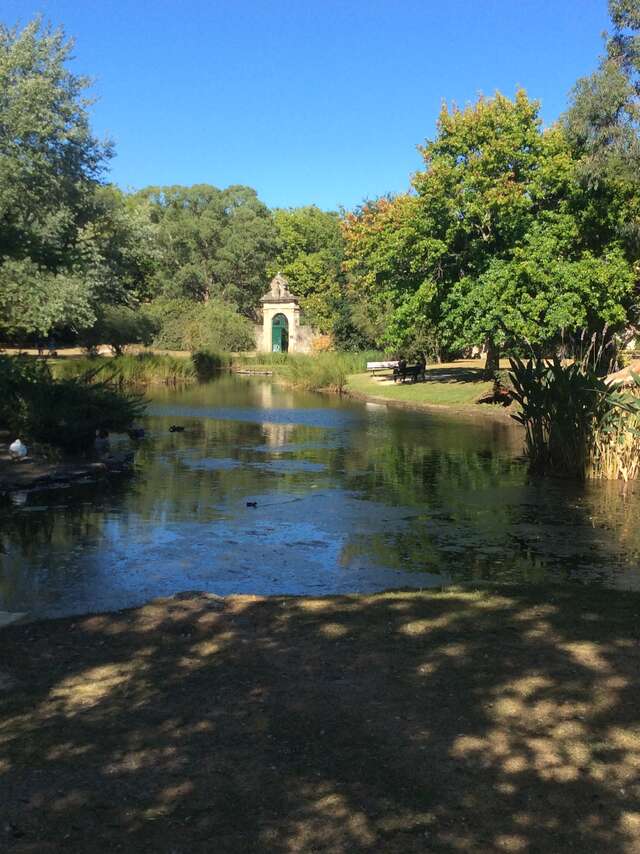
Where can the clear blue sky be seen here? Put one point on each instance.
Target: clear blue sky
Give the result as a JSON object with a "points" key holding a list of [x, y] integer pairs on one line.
{"points": [[308, 101]]}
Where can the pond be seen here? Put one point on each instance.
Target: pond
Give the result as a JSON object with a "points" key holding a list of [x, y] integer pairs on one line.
{"points": [[350, 497]]}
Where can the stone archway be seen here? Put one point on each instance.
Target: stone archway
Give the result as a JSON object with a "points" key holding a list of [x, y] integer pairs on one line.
{"points": [[279, 333], [281, 305]]}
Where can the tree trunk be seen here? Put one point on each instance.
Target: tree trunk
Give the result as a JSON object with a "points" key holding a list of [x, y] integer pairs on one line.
{"points": [[493, 359]]}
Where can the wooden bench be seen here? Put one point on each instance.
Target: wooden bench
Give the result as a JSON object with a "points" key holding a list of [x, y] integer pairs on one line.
{"points": [[414, 372], [381, 366]]}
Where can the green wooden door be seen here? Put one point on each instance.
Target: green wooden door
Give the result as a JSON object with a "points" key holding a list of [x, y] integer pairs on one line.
{"points": [[280, 334]]}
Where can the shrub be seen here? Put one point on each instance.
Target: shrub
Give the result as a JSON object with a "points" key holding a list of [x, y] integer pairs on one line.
{"points": [[118, 326], [188, 325], [207, 363], [63, 413], [575, 425]]}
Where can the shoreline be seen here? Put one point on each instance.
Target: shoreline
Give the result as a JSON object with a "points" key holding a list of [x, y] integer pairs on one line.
{"points": [[400, 721], [502, 413], [469, 409], [33, 474]]}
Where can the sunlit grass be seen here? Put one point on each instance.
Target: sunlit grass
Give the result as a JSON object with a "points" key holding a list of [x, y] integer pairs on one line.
{"points": [[312, 372], [436, 392]]}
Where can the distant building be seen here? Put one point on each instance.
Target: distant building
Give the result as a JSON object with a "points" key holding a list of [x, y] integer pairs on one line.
{"points": [[281, 331]]}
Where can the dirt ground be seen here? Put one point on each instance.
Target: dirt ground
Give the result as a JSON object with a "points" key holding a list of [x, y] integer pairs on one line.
{"points": [[490, 721]]}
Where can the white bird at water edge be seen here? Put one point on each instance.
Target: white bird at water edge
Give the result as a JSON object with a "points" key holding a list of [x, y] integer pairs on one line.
{"points": [[17, 451]]}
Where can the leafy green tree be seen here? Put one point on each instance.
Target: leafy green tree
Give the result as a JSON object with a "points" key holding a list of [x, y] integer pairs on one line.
{"points": [[501, 243], [50, 164], [33, 301], [310, 254], [604, 116], [117, 326], [213, 243], [385, 268], [183, 324], [119, 246]]}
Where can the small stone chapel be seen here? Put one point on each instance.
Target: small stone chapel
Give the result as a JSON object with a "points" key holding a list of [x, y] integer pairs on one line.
{"points": [[281, 329]]}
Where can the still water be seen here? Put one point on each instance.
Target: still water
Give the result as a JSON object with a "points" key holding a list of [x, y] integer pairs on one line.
{"points": [[350, 497]]}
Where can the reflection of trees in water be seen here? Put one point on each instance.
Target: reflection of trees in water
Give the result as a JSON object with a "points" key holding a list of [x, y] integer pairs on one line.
{"points": [[28, 536], [195, 475], [228, 390], [478, 515]]}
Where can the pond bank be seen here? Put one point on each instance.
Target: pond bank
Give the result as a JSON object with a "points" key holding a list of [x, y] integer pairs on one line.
{"points": [[42, 474], [492, 720], [467, 409], [451, 388]]}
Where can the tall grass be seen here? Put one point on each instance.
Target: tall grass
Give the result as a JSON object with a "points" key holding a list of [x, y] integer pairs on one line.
{"points": [[575, 425], [61, 412], [259, 360], [615, 452], [145, 368], [312, 372]]}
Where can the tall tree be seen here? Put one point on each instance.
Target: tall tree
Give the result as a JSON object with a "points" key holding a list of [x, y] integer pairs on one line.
{"points": [[310, 254], [500, 244], [604, 116], [384, 261], [213, 243], [50, 164]]}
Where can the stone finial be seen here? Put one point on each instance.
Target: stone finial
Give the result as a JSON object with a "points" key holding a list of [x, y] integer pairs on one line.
{"points": [[279, 291]]}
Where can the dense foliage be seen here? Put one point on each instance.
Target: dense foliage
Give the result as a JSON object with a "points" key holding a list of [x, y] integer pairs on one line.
{"points": [[500, 244], [61, 412], [575, 425], [514, 237]]}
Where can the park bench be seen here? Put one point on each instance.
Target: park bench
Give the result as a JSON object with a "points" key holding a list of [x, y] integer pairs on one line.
{"points": [[381, 366], [413, 372]]}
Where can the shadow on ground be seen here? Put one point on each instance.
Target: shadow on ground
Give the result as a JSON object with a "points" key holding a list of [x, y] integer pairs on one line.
{"points": [[453, 374], [403, 722]]}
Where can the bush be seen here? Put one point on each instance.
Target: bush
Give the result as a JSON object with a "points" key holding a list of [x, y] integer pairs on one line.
{"points": [[187, 325], [207, 363], [575, 425], [63, 413], [118, 326]]}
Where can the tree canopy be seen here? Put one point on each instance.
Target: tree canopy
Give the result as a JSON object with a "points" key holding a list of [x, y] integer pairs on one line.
{"points": [[499, 243], [212, 243], [50, 165], [310, 254]]}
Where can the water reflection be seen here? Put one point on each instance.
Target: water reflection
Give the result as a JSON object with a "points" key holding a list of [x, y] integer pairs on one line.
{"points": [[349, 498]]}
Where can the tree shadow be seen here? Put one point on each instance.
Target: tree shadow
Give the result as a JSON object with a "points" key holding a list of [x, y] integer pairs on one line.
{"points": [[450, 374], [402, 722]]}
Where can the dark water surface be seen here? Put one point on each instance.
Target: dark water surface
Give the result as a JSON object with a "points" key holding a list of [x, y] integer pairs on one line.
{"points": [[350, 497]]}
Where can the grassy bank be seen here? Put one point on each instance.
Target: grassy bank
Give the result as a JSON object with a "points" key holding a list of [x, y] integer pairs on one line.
{"points": [[146, 368], [499, 720], [447, 385]]}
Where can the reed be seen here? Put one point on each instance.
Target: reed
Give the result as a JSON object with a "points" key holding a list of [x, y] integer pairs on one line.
{"points": [[328, 371], [615, 446], [575, 425], [146, 368]]}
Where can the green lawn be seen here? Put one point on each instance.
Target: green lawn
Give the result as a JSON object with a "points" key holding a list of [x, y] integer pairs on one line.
{"points": [[447, 385]]}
